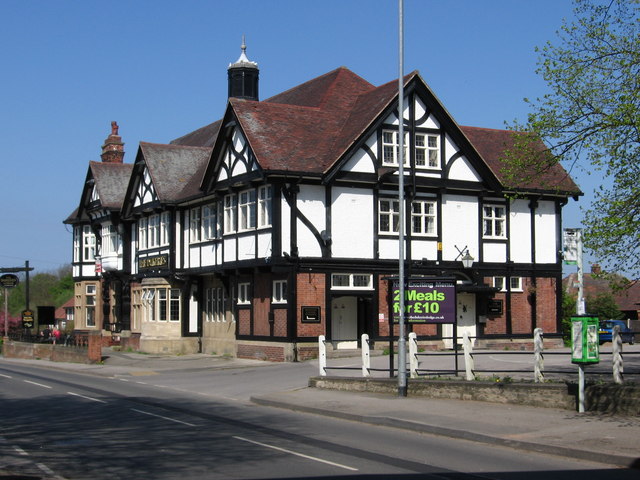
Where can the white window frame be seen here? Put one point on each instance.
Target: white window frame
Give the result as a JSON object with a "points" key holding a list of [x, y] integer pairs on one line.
{"points": [[142, 233], [88, 244], [244, 289], [77, 237], [279, 292], [247, 210], [110, 240], [515, 284], [153, 231], [424, 223], [195, 225], [91, 295], [230, 206], [392, 215], [427, 146], [493, 222], [210, 221], [391, 149], [354, 281], [264, 206], [165, 225]]}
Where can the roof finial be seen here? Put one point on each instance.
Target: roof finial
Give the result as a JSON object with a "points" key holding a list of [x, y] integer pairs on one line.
{"points": [[244, 45]]}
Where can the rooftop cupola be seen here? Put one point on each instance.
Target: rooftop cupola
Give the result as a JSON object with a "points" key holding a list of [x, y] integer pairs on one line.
{"points": [[113, 148], [243, 76]]}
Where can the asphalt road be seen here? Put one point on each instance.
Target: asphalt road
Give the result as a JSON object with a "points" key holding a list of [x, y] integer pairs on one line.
{"points": [[200, 425]]}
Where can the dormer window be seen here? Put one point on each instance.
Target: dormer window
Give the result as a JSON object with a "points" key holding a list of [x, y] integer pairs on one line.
{"points": [[391, 148], [427, 151]]}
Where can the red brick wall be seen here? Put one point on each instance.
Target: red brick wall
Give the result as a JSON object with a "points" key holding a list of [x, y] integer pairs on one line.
{"points": [[273, 353], [383, 308], [546, 304], [311, 292], [244, 321], [280, 322]]}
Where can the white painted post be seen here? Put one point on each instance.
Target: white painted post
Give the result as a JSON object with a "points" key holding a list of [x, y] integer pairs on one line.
{"points": [[322, 356], [538, 348], [618, 367], [468, 356], [366, 357], [580, 388], [413, 355]]}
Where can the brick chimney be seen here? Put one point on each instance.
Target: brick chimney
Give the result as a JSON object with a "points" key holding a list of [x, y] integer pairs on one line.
{"points": [[113, 148], [595, 269]]}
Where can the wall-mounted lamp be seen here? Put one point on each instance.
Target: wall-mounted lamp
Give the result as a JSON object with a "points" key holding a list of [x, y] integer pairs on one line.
{"points": [[467, 260]]}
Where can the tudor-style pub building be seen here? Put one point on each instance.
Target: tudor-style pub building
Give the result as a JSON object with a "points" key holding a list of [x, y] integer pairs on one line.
{"points": [[279, 222]]}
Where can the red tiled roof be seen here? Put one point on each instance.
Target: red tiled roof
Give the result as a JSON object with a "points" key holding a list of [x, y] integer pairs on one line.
{"points": [[491, 145]]}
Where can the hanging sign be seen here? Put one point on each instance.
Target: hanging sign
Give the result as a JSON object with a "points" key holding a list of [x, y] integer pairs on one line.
{"points": [[426, 301], [9, 280]]}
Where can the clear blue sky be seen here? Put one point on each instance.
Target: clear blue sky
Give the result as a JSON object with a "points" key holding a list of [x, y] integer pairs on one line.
{"points": [[159, 67]]}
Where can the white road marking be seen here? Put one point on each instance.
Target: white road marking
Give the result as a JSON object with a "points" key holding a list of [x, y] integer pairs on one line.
{"points": [[38, 384], [5, 376], [291, 452], [164, 418], [85, 397], [20, 451]]}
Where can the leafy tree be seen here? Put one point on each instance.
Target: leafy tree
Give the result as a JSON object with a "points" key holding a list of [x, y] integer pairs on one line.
{"points": [[52, 289], [604, 306], [591, 115]]}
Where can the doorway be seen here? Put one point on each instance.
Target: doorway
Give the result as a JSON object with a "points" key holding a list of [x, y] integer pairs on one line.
{"points": [[344, 322], [466, 320]]}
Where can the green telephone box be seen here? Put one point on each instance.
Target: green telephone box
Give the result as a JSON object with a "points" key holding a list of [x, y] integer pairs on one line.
{"points": [[585, 345]]}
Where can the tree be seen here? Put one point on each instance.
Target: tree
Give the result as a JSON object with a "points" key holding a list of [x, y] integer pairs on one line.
{"points": [[51, 289], [604, 306], [591, 120]]}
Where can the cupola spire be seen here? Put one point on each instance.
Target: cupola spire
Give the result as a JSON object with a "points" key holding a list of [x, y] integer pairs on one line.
{"points": [[243, 76]]}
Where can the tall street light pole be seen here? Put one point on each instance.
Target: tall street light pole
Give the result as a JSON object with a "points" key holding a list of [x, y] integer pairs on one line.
{"points": [[402, 344]]}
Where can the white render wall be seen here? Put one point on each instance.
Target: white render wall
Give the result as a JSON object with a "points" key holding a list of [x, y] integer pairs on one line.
{"points": [[352, 222], [545, 221], [520, 231], [459, 226], [311, 204]]}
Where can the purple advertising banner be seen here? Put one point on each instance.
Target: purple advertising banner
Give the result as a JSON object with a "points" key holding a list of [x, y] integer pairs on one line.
{"points": [[426, 301]]}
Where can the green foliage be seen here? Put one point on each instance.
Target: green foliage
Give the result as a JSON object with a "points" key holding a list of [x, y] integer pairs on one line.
{"points": [[603, 306], [591, 120], [45, 289]]}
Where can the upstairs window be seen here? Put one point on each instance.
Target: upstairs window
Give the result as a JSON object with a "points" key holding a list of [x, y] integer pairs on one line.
{"points": [[494, 221], [427, 151], [230, 204], [110, 240], [77, 236], [247, 210], [165, 225], [423, 217], [194, 224], [391, 148], [264, 206], [88, 244], [388, 215], [142, 233], [210, 221]]}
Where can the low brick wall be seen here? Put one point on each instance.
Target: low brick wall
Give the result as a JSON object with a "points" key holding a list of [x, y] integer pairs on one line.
{"points": [[607, 398], [92, 353]]}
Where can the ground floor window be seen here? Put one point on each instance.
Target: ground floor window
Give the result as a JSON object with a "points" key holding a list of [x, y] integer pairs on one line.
{"points": [[215, 305], [161, 304], [90, 306], [351, 281]]}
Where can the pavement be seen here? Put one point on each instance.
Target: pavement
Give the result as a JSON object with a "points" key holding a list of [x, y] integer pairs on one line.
{"points": [[602, 438]]}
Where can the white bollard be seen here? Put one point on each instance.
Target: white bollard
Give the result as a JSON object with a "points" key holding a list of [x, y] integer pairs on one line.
{"points": [[322, 356], [366, 356], [618, 367], [538, 348], [468, 356], [414, 364]]}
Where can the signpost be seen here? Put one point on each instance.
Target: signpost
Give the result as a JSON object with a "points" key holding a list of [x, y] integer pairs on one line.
{"points": [[7, 281]]}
